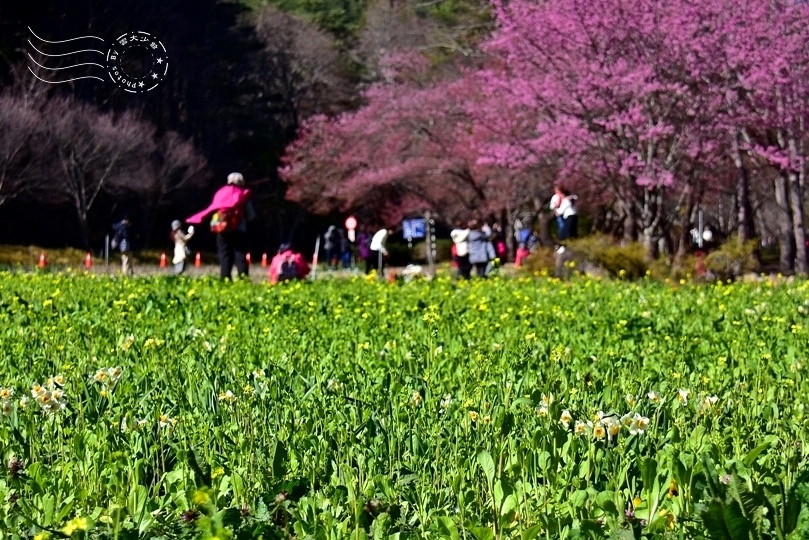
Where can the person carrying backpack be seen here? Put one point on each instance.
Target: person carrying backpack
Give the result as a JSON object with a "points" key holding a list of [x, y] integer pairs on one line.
{"points": [[231, 209], [287, 265], [122, 241]]}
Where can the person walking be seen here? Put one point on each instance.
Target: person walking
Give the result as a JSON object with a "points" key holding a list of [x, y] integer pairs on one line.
{"points": [[122, 241], [379, 250], [364, 249], [331, 246], [460, 240], [570, 219], [180, 239], [481, 250], [345, 249], [232, 209], [556, 203]]}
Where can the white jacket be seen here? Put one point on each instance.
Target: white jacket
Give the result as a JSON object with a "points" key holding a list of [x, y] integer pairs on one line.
{"points": [[460, 237], [567, 207], [378, 241]]}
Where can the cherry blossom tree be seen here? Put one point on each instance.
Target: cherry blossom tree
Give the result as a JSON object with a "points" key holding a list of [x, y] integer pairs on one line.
{"points": [[409, 148], [646, 101]]}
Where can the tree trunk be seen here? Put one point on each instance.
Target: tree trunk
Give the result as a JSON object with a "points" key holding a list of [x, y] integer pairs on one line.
{"points": [[684, 236], [786, 237], [796, 209], [745, 225], [630, 223], [507, 225]]}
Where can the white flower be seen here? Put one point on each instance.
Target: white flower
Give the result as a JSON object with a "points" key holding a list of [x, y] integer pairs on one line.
{"points": [[682, 396], [227, 396], [446, 401], [258, 373], [613, 427], [630, 400], [6, 393], [546, 400], [654, 397], [639, 424], [582, 428], [708, 402], [333, 385], [626, 420], [565, 418], [416, 398], [542, 411], [439, 349], [6, 407]]}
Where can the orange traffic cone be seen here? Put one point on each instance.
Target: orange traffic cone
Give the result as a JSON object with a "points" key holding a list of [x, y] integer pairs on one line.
{"points": [[162, 260], [88, 260], [248, 259], [198, 260], [42, 261], [264, 260]]}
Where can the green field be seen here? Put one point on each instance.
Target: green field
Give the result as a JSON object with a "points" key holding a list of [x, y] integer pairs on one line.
{"points": [[508, 408]]}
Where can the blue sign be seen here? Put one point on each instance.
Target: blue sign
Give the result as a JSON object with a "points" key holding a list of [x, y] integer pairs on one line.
{"points": [[414, 228]]}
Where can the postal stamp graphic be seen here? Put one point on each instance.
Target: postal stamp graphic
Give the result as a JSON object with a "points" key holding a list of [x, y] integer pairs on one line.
{"points": [[136, 61], [144, 77]]}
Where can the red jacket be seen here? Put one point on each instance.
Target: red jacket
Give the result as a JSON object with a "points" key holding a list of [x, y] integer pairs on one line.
{"points": [[275, 265]]}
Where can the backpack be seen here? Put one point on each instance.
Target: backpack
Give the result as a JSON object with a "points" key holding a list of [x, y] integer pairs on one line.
{"points": [[226, 220], [288, 269]]}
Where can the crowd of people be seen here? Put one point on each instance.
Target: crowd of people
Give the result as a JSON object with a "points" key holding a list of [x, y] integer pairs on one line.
{"points": [[476, 245]]}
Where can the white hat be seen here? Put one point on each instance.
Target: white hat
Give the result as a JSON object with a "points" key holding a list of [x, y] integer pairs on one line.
{"points": [[236, 179], [176, 224]]}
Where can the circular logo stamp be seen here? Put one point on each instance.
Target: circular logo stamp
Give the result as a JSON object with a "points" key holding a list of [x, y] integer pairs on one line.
{"points": [[137, 62]]}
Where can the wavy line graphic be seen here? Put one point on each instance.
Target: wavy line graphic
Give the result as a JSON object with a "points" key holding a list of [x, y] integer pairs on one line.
{"points": [[66, 67], [66, 54], [60, 82], [59, 55], [64, 40]]}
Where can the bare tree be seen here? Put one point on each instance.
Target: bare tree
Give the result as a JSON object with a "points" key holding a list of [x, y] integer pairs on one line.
{"points": [[19, 148], [176, 166], [95, 153], [302, 70]]}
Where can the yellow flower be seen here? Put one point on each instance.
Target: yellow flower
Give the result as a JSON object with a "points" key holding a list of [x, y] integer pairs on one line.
{"points": [[6, 393], [42, 536], [201, 497], [487, 419], [473, 415], [637, 502], [668, 516], [81, 523], [217, 472]]}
